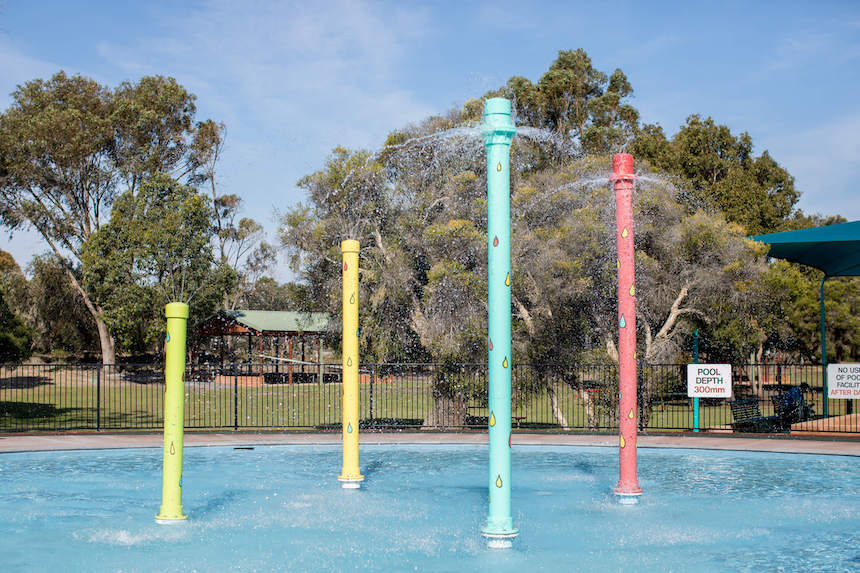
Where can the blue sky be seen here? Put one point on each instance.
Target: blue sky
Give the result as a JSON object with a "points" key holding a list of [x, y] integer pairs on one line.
{"points": [[292, 80]]}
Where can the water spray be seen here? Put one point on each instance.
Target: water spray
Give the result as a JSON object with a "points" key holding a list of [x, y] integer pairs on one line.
{"points": [[350, 475], [499, 131], [174, 408], [622, 177]]}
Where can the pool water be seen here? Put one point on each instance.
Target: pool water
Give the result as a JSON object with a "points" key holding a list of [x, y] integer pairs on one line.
{"points": [[281, 508]]}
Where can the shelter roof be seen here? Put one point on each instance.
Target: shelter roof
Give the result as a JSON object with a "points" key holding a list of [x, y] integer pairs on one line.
{"points": [[834, 249], [272, 322]]}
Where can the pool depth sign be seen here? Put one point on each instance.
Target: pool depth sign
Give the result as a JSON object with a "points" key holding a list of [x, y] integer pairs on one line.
{"points": [[709, 380], [843, 381]]}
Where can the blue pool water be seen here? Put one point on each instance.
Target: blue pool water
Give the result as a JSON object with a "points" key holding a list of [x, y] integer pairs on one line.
{"points": [[281, 508]]}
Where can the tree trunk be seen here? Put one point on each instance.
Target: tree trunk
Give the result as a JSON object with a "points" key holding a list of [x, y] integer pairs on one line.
{"points": [[107, 342], [448, 411], [587, 399], [556, 410], [106, 339]]}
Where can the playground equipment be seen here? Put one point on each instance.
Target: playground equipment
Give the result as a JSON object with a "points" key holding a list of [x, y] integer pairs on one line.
{"points": [[350, 475], [174, 408], [499, 131], [622, 178]]}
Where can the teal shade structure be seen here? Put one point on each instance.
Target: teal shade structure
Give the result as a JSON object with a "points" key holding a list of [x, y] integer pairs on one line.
{"points": [[832, 249], [499, 131]]}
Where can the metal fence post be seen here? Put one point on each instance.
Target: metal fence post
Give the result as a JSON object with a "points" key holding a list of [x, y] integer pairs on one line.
{"points": [[99, 397], [235, 398], [372, 380]]}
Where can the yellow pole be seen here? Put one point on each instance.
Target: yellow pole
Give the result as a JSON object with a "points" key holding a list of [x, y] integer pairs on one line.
{"points": [[174, 406], [350, 475]]}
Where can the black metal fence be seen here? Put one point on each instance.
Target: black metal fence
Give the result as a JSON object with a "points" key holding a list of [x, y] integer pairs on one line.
{"points": [[57, 397]]}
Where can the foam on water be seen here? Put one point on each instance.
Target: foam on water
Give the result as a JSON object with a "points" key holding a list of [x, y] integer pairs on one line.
{"points": [[422, 507]]}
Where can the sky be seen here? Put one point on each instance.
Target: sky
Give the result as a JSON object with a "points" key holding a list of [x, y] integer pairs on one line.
{"points": [[293, 80]]}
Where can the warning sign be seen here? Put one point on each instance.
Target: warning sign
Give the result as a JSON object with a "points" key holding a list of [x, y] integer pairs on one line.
{"points": [[709, 380], [843, 381]]}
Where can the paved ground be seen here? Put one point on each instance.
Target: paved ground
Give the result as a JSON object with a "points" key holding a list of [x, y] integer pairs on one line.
{"points": [[42, 442]]}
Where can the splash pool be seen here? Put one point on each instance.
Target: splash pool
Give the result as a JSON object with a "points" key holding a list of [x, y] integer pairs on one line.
{"points": [[281, 508]]}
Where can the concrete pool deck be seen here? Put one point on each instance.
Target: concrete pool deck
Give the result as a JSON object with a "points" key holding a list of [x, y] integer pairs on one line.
{"points": [[47, 442]]}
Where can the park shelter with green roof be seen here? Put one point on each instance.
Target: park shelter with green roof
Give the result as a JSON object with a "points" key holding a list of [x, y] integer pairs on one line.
{"points": [[276, 326], [832, 249]]}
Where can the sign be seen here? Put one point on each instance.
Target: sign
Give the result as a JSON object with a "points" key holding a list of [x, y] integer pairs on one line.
{"points": [[709, 380], [843, 381]]}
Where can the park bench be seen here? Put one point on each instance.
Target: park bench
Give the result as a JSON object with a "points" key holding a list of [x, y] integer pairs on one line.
{"points": [[748, 417]]}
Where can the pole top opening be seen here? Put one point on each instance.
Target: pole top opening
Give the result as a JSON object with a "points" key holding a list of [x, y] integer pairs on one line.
{"points": [[349, 246], [497, 105], [176, 310]]}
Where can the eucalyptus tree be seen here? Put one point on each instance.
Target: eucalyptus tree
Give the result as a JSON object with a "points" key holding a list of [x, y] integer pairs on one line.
{"points": [[69, 146], [722, 172], [156, 248]]}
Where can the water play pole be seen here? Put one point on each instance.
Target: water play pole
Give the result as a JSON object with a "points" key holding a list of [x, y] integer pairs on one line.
{"points": [[499, 131], [622, 177], [174, 408], [350, 475]]}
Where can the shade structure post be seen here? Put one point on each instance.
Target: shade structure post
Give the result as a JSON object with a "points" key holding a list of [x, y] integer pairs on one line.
{"points": [[822, 315]]}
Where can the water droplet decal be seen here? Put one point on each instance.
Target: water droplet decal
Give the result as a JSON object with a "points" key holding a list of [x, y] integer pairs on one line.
{"points": [[618, 264], [345, 265], [623, 443], [499, 166], [491, 343], [172, 449], [495, 241], [632, 290], [349, 428], [168, 338], [508, 280], [622, 323], [509, 440], [505, 362], [492, 419], [357, 330], [352, 298], [624, 233], [630, 414], [499, 481], [349, 361]]}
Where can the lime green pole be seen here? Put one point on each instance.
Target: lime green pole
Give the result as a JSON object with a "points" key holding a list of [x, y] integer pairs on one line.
{"points": [[350, 476], [499, 131], [174, 407]]}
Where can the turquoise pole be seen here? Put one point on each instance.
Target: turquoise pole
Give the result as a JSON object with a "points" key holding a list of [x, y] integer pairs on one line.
{"points": [[499, 131], [696, 399], [823, 317]]}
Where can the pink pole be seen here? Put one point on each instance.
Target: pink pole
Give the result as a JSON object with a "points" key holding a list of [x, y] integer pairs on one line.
{"points": [[622, 177]]}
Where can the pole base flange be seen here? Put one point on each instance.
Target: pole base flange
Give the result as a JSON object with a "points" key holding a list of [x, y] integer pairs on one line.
{"points": [[627, 497], [163, 520], [350, 483]]}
